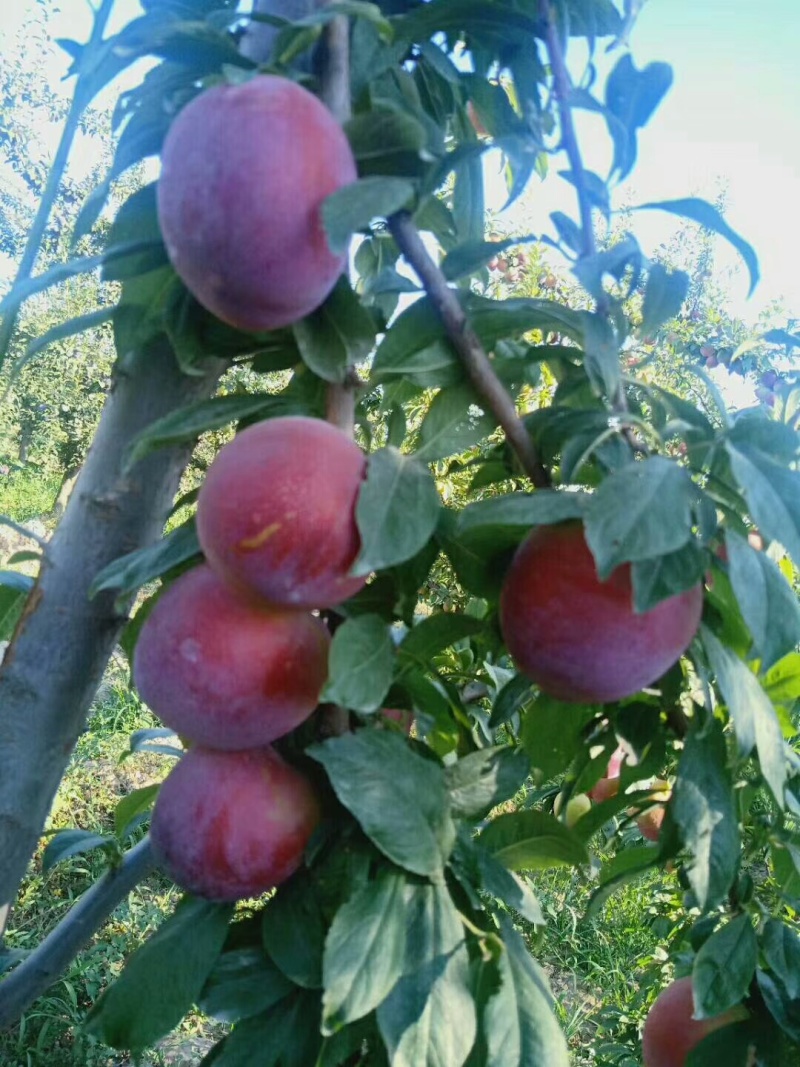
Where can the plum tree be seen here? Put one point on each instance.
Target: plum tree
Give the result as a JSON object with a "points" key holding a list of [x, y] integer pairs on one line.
{"points": [[245, 171], [276, 512], [226, 671], [670, 1031], [579, 638], [230, 825]]}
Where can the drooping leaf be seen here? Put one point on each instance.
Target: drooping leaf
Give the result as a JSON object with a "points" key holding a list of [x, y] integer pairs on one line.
{"points": [[399, 798], [703, 808], [354, 207], [707, 216], [360, 664], [397, 510], [243, 982], [163, 978], [437, 632], [724, 967], [339, 333], [664, 295], [772, 492], [456, 419], [752, 712], [293, 930], [532, 840], [780, 944], [481, 780], [132, 571], [68, 843]]}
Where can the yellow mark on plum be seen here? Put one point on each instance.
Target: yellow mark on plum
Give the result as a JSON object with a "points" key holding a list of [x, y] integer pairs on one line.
{"points": [[261, 537]]}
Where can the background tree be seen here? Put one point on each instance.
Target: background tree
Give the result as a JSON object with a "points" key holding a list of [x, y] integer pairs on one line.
{"points": [[394, 940]]}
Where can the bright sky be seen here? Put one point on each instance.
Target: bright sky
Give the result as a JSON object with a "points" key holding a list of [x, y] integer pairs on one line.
{"points": [[731, 118]]}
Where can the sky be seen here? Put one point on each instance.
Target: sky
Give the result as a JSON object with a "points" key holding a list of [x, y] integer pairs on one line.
{"points": [[730, 120]]}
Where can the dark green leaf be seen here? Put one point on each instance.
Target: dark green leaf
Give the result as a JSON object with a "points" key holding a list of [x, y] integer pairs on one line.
{"points": [[772, 493], [532, 840], [784, 1010], [163, 978], [189, 422], [511, 699], [437, 632], [137, 568], [724, 967], [397, 796], [625, 867], [365, 950], [704, 810], [509, 887], [68, 843], [428, 1020], [709, 218], [19, 583], [631, 97], [287, 1033], [780, 944], [361, 662], [519, 1020], [397, 510], [455, 421], [242, 982], [639, 512], [727, 1047], [339, 333], [293, 930], [132, 806], [354, 207], [550, 732], [483, 779], [767, 601], [387, 141], [657, 579], [754, 718], [663, 296], [468, 258]]}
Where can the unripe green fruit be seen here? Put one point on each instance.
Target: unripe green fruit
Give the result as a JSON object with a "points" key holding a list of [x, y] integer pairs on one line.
{"points": [[579, 638], [245, 170], [231, 825], [226, 671], [276, 512]]}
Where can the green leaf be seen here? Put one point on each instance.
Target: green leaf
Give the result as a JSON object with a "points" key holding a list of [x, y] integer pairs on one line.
{"points": [[511, 699], [724, 967], [437, 632], [360, 664], [754, 717], [336, 335], [293, 930], [397, 510], [551, 730], [128, 573], [163, 978], [625, 867], [242, 983], [355, 206], [704, 810], [68, 843], [532, 840], [455, 420], [782, 682], [639, 512], [654, 580], [709, 218], [772, 493], [469, 257], [767, 601], [398, 797], [631, 97], [483, 779], [780, 944], [365, 950], [727, 1047], [132, 806], [12, 601], [80, 324], [19, 583], [189, 422], [509, 887], [784, 1010], [428, 1020], [387, 141], [664, 295], [519, 1020], [287, 1033]]}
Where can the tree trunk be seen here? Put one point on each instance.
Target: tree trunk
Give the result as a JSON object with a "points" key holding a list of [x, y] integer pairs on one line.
{"points": [[63, 640]]}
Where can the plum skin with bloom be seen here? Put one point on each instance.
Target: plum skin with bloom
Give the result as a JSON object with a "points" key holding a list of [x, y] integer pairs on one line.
{"points": [[276, 512], [670, 1033], [231, 825], [579, 638], [226, 671], [245, 170]]}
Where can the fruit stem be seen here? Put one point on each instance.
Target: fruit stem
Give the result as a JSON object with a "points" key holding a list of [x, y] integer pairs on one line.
{"points": [[469, 348]]}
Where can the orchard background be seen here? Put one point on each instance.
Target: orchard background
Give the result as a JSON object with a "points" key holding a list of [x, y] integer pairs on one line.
{"points": [[497, 383]]}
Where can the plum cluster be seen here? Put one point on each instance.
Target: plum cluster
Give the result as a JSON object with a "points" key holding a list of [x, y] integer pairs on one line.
{"points": [[232, 658]]}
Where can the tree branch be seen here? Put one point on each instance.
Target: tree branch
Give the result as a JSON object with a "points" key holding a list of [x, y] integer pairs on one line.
{"points": [[50, 958], [469, 348]]}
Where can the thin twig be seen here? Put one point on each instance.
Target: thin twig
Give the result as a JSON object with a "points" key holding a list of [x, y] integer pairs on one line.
{"points": [[469, 348], [53, 955]]}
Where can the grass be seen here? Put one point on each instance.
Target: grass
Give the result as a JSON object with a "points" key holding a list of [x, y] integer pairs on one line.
{"points": [[26, 495]]}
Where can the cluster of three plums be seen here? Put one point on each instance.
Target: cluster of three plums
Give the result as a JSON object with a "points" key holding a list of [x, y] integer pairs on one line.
{"points": [[232, 658]]}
